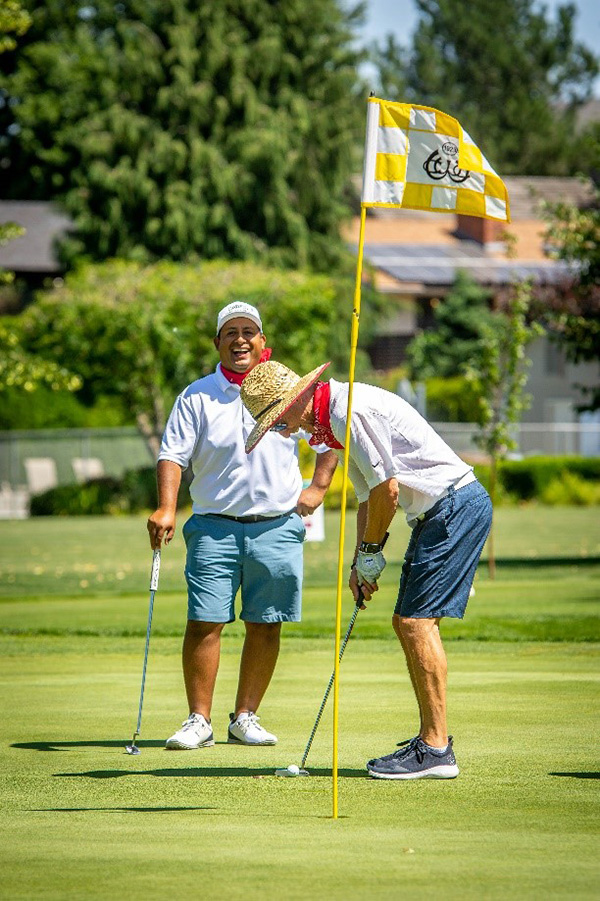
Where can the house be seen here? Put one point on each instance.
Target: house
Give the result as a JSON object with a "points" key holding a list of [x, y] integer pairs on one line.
{"points": [[413, 258]]}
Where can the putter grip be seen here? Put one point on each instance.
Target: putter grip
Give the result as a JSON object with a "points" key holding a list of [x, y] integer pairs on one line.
{"points": [[155, 571]]}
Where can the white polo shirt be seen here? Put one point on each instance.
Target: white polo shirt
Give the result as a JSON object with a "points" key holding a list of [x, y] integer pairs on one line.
{"points": [[208, 428], [389, 439]]}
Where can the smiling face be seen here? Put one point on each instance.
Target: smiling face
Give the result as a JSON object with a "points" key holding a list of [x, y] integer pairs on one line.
{"points": [[240, 344]]}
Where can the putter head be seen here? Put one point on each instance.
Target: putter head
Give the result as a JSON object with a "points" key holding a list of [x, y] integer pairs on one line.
{"points": [[132, 749]]}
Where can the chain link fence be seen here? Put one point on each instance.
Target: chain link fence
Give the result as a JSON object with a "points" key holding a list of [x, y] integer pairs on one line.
{"points": [[34, 461]]}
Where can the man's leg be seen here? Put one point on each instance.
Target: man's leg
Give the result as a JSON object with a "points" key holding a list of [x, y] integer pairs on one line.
{"points": [[259, 656], [200, 659], [409, 665], [428, 668]]}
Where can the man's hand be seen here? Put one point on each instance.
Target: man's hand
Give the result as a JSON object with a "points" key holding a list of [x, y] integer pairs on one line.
{"points": [[369, 566], [309, 500], [161, 527], [361, 592]]}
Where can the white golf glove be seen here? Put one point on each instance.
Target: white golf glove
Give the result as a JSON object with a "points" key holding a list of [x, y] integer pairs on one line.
{"points": [[369, 566]]}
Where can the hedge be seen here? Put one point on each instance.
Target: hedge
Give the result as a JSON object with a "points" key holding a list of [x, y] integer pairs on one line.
{"points": [[547, 480]]}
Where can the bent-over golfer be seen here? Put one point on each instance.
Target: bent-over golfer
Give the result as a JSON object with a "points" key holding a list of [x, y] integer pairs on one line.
{"points": [[395, 458], [245, 531]]}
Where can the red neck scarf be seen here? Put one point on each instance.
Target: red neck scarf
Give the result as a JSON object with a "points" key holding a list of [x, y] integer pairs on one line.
{"points": [[238, 377], [322, 433]]}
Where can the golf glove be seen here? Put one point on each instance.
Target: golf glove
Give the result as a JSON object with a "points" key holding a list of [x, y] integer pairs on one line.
{"points": [[369, 566]]}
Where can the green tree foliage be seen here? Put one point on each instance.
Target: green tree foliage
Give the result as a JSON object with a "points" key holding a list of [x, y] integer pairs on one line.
{"points": [[141, 333], [573, 311], [20, 369], [14, 22], [499, 375], [459, 323], [183, 129], [512, 76]]}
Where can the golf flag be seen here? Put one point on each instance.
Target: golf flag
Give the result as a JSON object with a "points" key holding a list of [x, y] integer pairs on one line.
{"points": [[419, 158]]}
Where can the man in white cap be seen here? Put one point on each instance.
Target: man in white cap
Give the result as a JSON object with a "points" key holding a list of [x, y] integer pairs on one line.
{"points": [[245, 531], [395, 458]]}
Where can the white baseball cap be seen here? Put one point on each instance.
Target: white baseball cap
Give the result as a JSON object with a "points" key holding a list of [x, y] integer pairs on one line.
{"points": [[235, 310]]}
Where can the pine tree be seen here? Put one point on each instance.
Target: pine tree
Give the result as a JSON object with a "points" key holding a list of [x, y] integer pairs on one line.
{"points": [[512, 76], [185, 129], [459, 324]]}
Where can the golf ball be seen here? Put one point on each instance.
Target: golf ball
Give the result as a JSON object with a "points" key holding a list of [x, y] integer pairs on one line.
{"points": [[293, 770]]}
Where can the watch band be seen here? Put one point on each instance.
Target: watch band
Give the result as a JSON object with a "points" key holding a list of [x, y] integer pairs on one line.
{"points": [[368, 548]]}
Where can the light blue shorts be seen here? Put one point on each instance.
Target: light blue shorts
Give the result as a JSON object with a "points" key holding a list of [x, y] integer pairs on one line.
{"points": [[443, 553], [263, 558]]}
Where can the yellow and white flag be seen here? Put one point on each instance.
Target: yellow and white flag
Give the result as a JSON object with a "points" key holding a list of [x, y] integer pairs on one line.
{"points": [[419, 158]]}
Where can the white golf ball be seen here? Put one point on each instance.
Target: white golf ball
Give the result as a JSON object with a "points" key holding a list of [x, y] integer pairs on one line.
{"points": [[293, 770]]}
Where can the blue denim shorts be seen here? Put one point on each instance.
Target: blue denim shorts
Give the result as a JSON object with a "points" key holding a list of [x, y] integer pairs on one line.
{"points": [[443, 553], [264, 559]]}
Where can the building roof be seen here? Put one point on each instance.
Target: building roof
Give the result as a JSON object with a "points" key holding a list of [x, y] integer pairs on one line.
{"points": [[413, 252], [34, 252], [435, 265]]}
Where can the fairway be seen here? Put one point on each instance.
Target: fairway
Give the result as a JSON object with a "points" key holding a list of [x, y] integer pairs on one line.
{"points": [[82, 819]]}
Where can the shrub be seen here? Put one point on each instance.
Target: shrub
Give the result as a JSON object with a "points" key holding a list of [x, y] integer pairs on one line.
{"points": [[96, 497], [549, 480], [570, 489], [133, 492]]}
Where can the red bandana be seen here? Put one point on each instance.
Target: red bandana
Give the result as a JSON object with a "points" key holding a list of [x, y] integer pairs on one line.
{"points": [[238, 377], [322, 433]]}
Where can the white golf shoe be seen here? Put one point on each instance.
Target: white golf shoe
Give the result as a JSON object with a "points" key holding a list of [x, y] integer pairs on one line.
{"points": [[195, 732], [246, 730]]}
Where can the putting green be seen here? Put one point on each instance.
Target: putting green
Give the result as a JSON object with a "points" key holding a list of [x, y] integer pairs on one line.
{"points": [[83, 819]]}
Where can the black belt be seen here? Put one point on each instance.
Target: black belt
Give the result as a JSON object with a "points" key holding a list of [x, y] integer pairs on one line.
{"points": [[253, 517]]}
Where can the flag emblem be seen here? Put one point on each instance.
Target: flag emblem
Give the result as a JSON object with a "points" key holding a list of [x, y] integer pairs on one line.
{"points": [[419, 158]]}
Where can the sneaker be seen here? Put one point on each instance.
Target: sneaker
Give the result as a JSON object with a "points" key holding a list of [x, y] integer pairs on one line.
{"points": [[416, 761], [195, 732], [246, 730], [406, 745]]}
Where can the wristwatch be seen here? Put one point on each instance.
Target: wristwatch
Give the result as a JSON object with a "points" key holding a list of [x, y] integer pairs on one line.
{"points": [[370, 548]]}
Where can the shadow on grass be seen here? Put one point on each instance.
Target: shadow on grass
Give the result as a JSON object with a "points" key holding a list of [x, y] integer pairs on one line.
{"points": [[66, 745], [113, 809], [206, 771], [590, 775]]}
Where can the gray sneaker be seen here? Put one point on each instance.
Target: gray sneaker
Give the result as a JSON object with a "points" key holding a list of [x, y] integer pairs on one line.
{"points": [[416, 760], [195, 732], [406, 745]]}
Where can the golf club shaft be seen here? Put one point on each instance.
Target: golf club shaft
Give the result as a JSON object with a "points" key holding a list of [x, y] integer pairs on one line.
{"points": [[324, 702], [153, 588]]}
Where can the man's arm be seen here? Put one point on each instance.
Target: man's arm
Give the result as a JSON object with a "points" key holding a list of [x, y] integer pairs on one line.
{"points": [[372, 521], [161, 525], [312, 496]]}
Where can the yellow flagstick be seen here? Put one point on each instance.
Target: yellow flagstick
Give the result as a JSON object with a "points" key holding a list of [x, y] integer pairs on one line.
{"points": [[338, 610]]}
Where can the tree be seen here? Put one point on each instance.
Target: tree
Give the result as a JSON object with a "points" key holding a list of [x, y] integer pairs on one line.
{"points": [[14, 22], [182, 129], [459, 323], [141, 333], [511, 76], [499, 375], [573, 310]]}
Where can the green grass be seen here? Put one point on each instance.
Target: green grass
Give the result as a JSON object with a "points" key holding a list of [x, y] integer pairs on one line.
{"points": [[83, 819]]}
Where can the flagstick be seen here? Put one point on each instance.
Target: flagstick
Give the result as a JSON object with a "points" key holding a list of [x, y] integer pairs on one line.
{"points": [[338, 610]]}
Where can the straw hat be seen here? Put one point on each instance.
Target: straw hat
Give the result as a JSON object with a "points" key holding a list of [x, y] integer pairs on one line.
{"points": [[268, 391]]}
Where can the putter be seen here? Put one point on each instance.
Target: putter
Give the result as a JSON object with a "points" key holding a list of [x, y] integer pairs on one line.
{"points": [[132, 748], [294, 770]]}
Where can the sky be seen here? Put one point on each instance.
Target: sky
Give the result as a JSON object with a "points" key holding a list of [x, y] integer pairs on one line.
{"points": [[400, 18]]}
